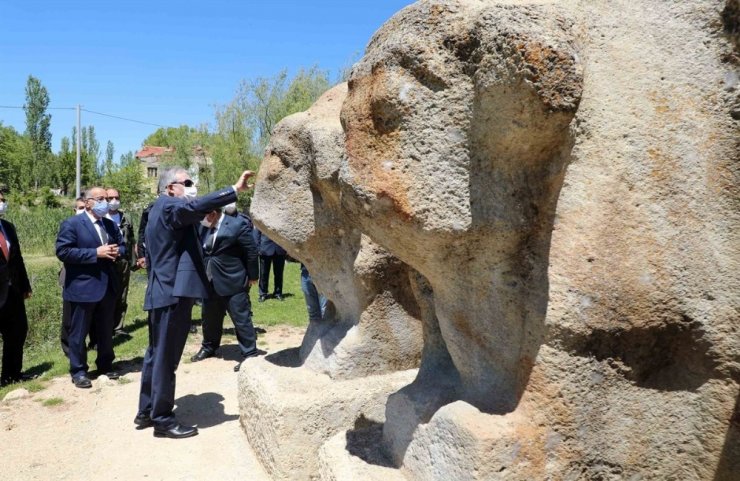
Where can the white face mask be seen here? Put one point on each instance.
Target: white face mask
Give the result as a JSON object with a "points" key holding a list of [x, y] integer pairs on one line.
{"points": [[114, 205], [3, 208], [191, 192], [79, 211], [230, 209], [205, 223]]}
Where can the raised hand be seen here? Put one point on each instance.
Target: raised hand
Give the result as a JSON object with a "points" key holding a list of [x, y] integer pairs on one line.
{"points": [[241, 184]]}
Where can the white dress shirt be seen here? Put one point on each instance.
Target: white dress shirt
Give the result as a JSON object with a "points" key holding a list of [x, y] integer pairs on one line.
{"points": [[98, 228]]}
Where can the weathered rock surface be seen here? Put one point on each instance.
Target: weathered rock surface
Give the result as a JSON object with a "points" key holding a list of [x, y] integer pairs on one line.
{"points": [[288, 412], [559, 180], [15, 394], [550, 165], [373, 325]]}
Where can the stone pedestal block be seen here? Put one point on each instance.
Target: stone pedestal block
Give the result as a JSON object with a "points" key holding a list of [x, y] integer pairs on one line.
{"points": [[288, 412]]}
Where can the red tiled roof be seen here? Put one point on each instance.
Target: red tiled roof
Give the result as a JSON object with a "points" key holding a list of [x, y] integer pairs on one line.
{"points": [[152, 151]]}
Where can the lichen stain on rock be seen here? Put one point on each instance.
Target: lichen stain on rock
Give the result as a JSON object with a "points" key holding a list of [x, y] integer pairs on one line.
{"points": [[373, 138]]}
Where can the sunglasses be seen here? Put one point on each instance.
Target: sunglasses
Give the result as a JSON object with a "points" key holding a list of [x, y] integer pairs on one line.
{"points": [[186, 183]]}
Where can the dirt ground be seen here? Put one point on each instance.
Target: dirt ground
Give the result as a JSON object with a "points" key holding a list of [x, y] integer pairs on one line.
{"points": [[90, 434]]}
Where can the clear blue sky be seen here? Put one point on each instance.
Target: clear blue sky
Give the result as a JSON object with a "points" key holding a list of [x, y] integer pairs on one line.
{"points": [[167, 62]]}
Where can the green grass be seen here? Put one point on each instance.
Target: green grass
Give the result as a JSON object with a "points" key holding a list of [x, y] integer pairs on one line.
{"points": [[43, 355], [52, 401]]}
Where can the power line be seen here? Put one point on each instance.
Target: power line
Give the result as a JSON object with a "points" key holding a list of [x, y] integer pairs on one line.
{"points": [[123, 118], [92, 112]]}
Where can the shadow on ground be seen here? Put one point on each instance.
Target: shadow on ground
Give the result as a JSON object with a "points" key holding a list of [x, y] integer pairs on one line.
{"points": [[204, 410]]}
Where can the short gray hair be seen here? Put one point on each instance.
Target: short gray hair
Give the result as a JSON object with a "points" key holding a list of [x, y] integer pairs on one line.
{"points": [[169, 176], [88, 191]]}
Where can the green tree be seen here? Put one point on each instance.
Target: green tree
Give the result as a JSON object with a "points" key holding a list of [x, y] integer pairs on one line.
{"points": [[109, 152], [231, 145], [37, 129], [66, 165], [93, 151], [15, 154], [267, 100], [128, 178], [89, 155]]}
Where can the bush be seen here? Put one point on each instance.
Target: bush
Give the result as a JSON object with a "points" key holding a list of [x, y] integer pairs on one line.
{"points": [[44, 308], [37, 227]]}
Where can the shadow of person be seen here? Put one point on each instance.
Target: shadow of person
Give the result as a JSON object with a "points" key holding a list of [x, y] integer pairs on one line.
{"points": [[129, 365], [203, 410], [39, 369]]}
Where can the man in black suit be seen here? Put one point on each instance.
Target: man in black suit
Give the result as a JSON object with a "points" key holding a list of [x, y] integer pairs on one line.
{"points": [[231, 267], [177, 277], [141, 243], [88, 245], [270, 254], [14, 289], [123, 263]]}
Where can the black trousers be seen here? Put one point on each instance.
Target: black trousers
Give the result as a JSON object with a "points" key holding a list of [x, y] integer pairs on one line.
{"points": [[82, 316], [168, 332], [66, 326], [240, 311], [123, 272], [14, 329], [279, 263]]}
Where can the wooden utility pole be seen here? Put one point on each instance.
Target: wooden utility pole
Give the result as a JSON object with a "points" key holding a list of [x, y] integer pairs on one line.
{"points": [[78, 175]]}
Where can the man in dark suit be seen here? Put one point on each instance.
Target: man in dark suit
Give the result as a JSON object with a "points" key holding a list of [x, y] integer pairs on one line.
{"points": [[231, 267], [123, 262], [177, 277], [88, 245], [141, 244], [270, 254], [78, 209], [14, 288]]}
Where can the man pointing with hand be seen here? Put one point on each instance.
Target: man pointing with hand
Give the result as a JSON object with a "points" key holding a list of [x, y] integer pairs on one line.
{"points": [[88, 244], [177, 277]]}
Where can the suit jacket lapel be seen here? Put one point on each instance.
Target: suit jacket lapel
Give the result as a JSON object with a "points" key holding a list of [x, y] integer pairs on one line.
{"points": [[91, 228], [222, 230]]}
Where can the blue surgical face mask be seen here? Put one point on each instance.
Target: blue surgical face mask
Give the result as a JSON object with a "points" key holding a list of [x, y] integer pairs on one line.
{"points": [[100, 208]]}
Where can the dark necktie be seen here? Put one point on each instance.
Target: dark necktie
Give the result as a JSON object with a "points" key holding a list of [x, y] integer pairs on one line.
{"points": [[103, 234], [210, 240]]}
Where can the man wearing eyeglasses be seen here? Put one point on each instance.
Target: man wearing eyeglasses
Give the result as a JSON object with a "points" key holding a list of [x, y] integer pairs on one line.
{"points": [[177, 278], [88, 245], [123, 263]]}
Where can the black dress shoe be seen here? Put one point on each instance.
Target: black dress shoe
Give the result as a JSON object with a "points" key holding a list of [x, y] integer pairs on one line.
{"points": [[143, 421], [177, 431], [256, 352], [279, 297], [259, 330], [262, 299], [82, 382], [112, 375], [202, 354], [193, 329]]}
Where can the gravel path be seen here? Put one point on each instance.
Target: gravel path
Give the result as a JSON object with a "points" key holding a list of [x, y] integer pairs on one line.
{"points": [[90, 434]]}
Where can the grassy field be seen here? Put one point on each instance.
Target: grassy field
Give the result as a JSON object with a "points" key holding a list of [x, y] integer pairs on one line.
{"points": [[43, 354]]}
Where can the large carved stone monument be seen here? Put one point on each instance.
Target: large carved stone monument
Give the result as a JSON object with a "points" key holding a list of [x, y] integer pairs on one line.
{"points": [[546, 193]]}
